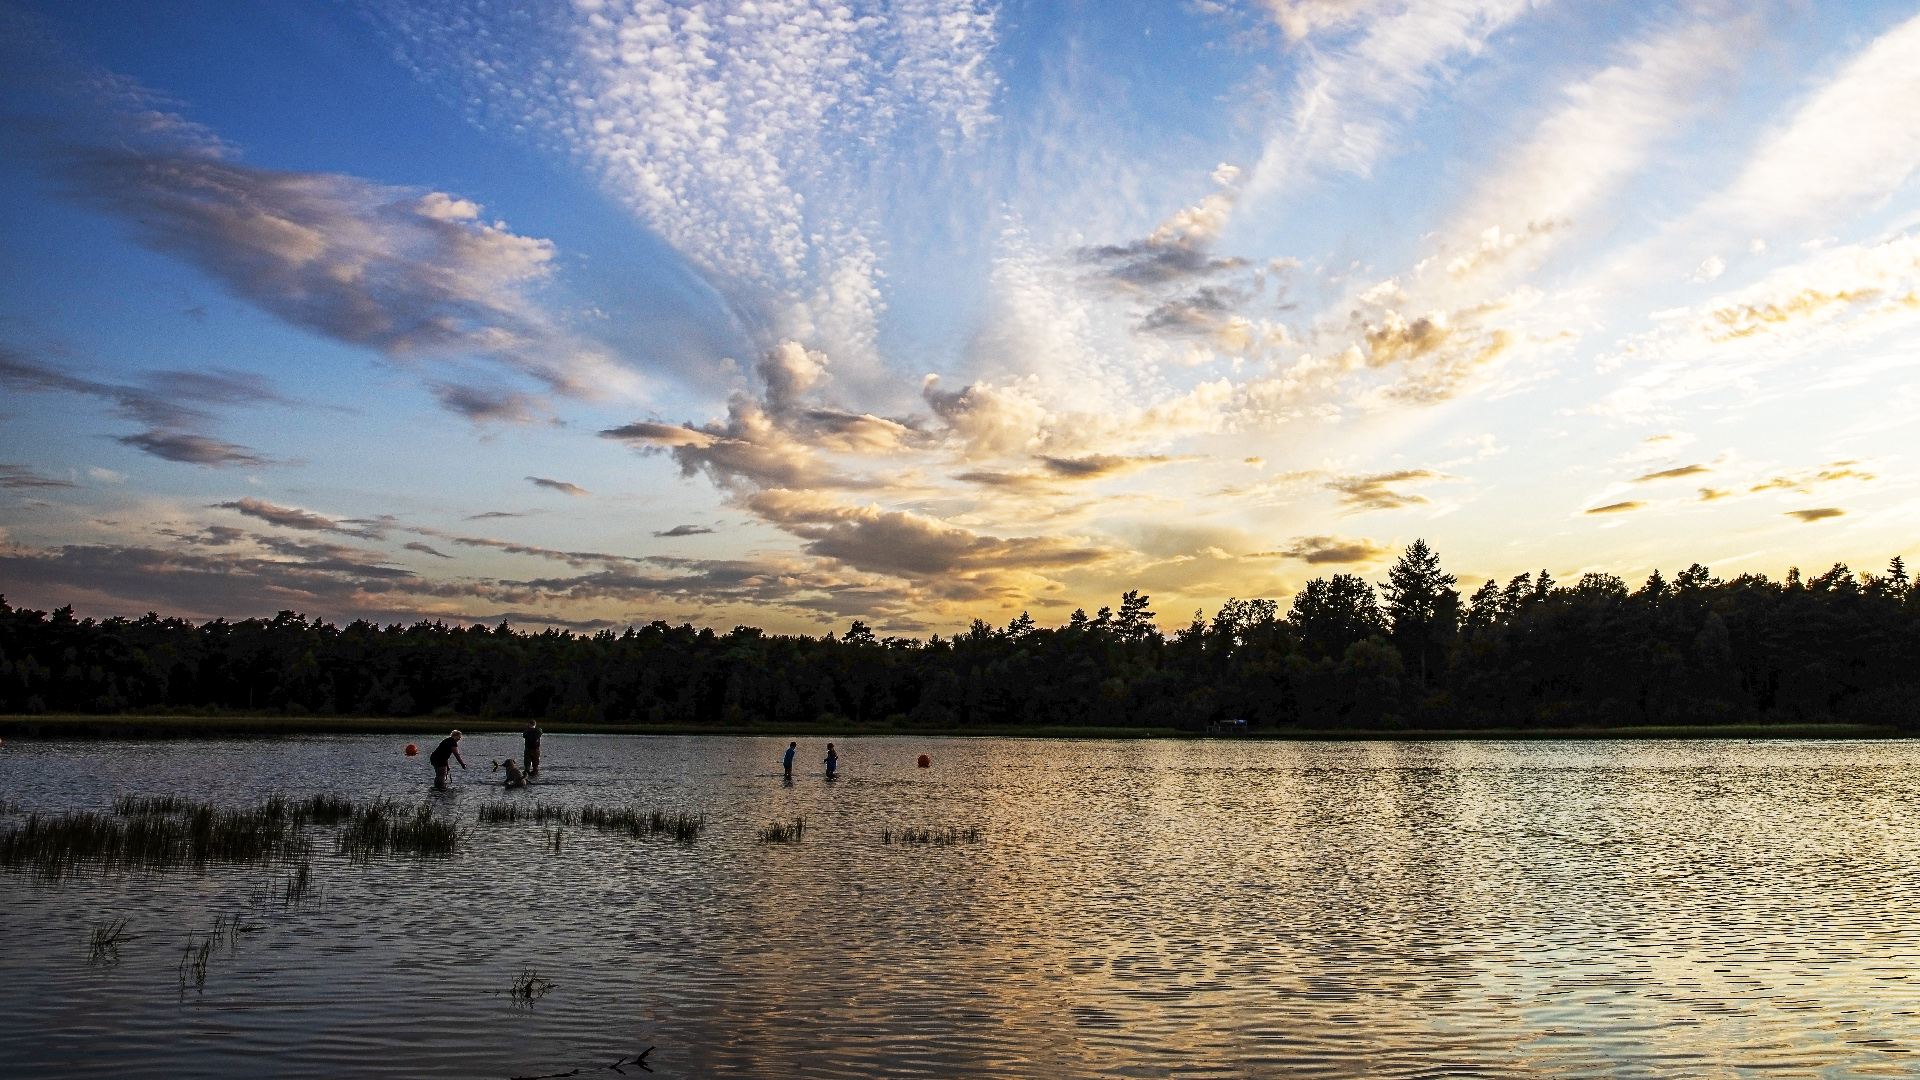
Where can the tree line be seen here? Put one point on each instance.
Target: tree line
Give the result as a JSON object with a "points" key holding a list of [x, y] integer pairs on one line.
{"points": [[1412, 653]]}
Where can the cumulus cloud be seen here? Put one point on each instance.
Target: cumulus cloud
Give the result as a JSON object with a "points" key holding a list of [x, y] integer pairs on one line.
{"points": [[560, 486], [1820, 514]]}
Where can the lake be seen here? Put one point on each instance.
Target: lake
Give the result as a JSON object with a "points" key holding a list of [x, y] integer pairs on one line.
{"points": [[1131, 909]]}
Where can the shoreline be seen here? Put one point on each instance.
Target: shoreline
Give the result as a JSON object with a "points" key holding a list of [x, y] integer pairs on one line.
{"points": [[160, 727]]}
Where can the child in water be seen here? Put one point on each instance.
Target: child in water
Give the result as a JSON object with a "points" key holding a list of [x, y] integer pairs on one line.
{"points": [[515, 778], [833, 761]]}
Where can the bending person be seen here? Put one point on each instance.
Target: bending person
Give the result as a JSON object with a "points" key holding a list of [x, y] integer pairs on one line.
{"points": [[449, 748]]}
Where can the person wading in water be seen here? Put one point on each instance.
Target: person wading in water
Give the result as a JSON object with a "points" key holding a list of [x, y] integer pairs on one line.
{"points": [[532, 756], [833, 761], [449, 748]]}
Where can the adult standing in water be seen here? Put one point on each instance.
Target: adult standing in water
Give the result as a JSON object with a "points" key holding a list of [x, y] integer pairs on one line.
{"points": [[449, 748], [786, 763], [532, 757], [833, 761]]}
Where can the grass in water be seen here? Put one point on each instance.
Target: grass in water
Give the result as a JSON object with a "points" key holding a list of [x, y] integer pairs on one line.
{"points": [[105, 946], [783, 832], [682, 827], [506, 813], [938, 837], [193, 962], [147, 837], [299, 883], [529, 987], [383, 827]]}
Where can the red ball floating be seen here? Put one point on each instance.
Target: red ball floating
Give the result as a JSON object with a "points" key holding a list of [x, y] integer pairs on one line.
{"points": [[412, 750], [925, 761]]}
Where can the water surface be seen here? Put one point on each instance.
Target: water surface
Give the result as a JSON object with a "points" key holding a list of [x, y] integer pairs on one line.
{"points": [[1133, 909]]}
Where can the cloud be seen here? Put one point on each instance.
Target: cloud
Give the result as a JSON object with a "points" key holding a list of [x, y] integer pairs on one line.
{"points": [[1351, 95], [1672, 474], [106, 476], [1851, 142], [426, 549], [21, 478], [1094, 466], [1315, 550], [747, 136], [685, 530], [174, 403], [1805, 480], [560, 486], [193, 449], [1599, 135], [407, 273], [1616, 508], [491, 514], [288, 517], [940, 557], [1817, 515], [484, 405], [1376, 492]]}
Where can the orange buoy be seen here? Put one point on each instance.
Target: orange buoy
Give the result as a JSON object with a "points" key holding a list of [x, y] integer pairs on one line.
{"points": [[925, 761], [412, 750]]}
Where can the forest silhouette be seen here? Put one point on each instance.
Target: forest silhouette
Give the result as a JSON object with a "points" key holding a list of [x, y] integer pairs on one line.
{"points": [[1412, 654]]}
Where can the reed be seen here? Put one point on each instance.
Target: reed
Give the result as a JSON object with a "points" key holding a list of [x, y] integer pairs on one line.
{"points": [[383, 827], [500, 813], [298, 883], [553, 840], [326, 809], [193, 962], [105, 945], [682, 827], [143, 805], [529, 987], [937, 837], [783, 832], [558, 815]]}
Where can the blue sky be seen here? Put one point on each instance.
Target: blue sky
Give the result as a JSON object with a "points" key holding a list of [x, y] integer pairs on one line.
{"points": [[793, 313]]}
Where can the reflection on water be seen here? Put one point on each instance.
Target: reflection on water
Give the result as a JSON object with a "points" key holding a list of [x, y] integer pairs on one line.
{"points": [[1132, 909]]}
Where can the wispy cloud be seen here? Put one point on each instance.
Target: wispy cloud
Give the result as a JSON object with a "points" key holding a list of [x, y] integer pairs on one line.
{"points": [[1821, 514], [560, 486], [685, 530], [21, 478], [174, 403]]}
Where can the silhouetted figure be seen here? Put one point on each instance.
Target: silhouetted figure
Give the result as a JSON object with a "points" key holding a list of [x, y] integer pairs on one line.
{"points": [[786, 763], [532, 756], [833, 761], [449, 748]]}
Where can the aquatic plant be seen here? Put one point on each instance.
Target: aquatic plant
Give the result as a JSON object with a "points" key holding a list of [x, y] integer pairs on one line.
{"points": [[938, 837], [299, 882], [529, 987], [499, 813], [105, 944], [140, 805], [507, 812], [193, 962], [682, 827], [783, 832], [57, 845], [553, 840], [384, 827], [326, 809]]}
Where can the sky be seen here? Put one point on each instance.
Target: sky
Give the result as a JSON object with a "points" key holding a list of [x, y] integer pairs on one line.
{"points": [[791, 313]]}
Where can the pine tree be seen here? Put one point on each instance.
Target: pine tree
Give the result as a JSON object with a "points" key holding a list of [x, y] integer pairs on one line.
{"points": [[1423, 608]]}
